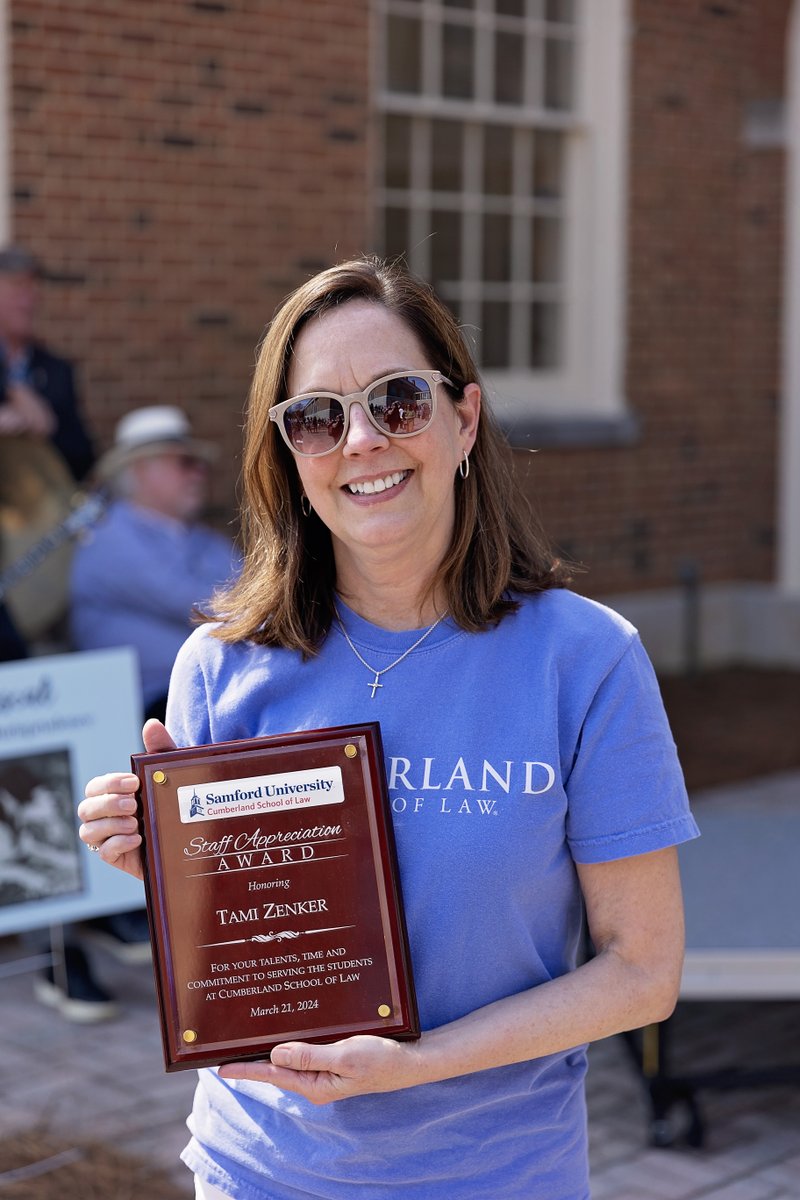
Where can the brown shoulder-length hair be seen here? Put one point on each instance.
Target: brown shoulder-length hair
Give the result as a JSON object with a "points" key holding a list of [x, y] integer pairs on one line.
{"points": [[285, 594]]}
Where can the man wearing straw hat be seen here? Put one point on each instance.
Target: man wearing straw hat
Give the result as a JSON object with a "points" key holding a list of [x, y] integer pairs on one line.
{"points": [[135, 579], [140, 572]]}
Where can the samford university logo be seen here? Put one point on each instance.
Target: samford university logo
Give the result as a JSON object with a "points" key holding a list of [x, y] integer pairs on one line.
{"points": [[260, 794]]}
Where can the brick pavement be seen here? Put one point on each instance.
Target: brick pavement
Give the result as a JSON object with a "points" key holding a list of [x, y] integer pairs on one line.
{"points": [[93, 1083], [108, 1082], [752, 1136]]}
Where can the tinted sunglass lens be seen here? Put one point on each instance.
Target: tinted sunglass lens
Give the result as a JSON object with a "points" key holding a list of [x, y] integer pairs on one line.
{"points": [[314, 426], [402, 405]]}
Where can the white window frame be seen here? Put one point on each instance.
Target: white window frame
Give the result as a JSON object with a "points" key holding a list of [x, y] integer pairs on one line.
{"points": [[589, 387], [789, 450]]}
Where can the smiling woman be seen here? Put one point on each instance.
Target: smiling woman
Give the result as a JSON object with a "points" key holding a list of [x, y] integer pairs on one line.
{"points": [[358, 326], [393, 574], [387, 499]]}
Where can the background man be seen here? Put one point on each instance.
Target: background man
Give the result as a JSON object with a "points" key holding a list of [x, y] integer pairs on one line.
{"points": [[135, 578], [137, 575], [38, 401], [37, 389]]}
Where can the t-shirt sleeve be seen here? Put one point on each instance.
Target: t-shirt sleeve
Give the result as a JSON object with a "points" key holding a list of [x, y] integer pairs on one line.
{"points": [[188, 718], [625, 791]]}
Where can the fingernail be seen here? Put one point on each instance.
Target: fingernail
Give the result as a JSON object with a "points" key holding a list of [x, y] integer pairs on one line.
{"points": [[128, 804], [281, 1057]]}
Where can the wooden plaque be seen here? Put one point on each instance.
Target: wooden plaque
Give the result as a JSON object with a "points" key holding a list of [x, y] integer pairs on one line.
{"points": [[273, 895]]}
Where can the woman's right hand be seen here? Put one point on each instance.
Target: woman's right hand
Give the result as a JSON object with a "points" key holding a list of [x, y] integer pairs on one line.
{"points": [[108, 811]]}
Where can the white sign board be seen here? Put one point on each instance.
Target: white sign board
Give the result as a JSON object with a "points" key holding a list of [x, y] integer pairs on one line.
{"points": [[63, 719]]}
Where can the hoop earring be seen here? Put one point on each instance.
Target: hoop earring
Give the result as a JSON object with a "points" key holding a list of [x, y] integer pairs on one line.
{"points": [[463, 466], [305, 505]]}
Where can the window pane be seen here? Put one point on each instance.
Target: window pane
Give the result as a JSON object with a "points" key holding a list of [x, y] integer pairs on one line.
{"points": [[548, 164], [509, 68], [497, 247], [404, 52], [560, 10], [546, 250], [395, 232], [445, 246], [457, 56], [545, 335], [510, 8], [448, 156], [558, 61], [494, 334], [498, 160], [397, 151]]}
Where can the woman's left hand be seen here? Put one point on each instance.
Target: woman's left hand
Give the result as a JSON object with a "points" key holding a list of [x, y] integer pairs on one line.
{"points": [[355, 1066]]}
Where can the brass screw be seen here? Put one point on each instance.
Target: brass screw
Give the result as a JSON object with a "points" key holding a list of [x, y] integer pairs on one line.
{"points": [[189, 1035], [159, 777], [384, 1010], [350, 750]]}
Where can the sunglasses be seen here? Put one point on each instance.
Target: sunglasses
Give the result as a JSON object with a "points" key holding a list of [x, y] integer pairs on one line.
{"points": [[399, 405]]}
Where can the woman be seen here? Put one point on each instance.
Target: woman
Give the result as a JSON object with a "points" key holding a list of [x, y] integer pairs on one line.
{"points": [[393, 576]]}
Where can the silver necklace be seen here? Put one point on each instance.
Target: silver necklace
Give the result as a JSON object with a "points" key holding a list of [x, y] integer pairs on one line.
{"points": [[375, 684]]}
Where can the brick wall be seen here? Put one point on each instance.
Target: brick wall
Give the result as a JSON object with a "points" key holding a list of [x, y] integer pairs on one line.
{"points": [[181, 164], [705, 229]]}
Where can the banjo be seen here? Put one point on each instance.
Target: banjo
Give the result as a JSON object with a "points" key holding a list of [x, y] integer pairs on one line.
{"points": [[40, 514]]}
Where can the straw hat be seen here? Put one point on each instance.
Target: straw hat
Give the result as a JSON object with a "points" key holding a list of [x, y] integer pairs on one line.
{"points": [[144, 432]]}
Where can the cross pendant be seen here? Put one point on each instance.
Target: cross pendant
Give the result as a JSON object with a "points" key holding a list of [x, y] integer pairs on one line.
{"points": [[374, 685]]}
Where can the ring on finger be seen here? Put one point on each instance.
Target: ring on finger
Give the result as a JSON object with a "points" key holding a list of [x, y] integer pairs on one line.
{"points": [[95, 849]]}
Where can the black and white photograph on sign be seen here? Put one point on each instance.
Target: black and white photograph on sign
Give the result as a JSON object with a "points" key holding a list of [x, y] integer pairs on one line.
{"points": [[59, 714], [39, 848]]}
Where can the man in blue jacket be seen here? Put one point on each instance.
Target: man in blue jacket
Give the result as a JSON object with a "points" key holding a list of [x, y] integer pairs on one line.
{"points": [[37, 388]]}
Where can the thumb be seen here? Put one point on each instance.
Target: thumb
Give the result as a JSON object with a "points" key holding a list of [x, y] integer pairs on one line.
{"points": [[156, 738], [305, 1056]]}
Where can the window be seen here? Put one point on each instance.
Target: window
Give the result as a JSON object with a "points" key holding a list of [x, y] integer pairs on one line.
{"points": [[501, 179]]}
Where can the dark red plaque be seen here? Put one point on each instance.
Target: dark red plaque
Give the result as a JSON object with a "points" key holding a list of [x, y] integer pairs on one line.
{"points": [[273, 895]]}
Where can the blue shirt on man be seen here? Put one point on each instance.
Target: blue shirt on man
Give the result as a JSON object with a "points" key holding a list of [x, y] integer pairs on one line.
{"points": [[135, 580]]}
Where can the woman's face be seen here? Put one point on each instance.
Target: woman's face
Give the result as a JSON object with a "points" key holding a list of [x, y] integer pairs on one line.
{"points": [[411, 520]]}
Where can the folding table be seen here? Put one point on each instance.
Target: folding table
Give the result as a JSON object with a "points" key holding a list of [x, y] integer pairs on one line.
{"points": [[741, 883]]}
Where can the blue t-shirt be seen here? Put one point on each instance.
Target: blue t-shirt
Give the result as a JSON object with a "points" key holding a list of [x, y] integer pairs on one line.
{"points": [[510, 755]]}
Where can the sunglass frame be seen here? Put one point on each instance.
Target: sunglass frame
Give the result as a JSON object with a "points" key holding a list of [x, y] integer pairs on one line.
{"points": [[277, 412]]}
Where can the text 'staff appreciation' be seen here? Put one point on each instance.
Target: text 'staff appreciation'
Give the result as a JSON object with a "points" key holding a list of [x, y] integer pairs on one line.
{"points": [[273, 895]]}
